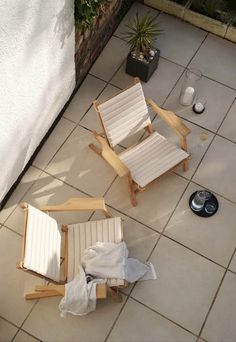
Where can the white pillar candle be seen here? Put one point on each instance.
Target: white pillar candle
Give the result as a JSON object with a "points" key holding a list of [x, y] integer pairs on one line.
{"points": [[188, 96]]}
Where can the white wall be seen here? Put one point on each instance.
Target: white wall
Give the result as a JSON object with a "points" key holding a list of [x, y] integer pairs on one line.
{"points": [[37, 76]]}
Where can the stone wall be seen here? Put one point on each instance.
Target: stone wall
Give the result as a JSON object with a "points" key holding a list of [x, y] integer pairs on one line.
{"points": [[89, 43]]}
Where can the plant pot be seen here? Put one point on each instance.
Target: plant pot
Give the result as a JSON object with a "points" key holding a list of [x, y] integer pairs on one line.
{"points": [[141, 69]]}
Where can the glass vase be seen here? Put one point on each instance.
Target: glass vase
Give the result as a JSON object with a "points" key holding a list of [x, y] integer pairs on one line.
{"points": [[188, 90]]}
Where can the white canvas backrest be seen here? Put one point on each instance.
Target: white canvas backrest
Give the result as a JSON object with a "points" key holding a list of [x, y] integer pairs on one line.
{"points": [[125, 114], [42, 244]]}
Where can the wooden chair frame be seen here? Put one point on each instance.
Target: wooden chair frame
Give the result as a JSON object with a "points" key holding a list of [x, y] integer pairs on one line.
{"points": [[107, 153], [58, 288]]}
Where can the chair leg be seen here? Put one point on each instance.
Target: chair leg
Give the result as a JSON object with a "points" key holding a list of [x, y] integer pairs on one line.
{"points": [[114, 293], [96, 149], [42, 294], [185, 165], [132, 191]]}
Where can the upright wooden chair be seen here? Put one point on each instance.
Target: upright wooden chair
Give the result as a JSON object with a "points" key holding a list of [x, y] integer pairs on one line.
{"points": [[126, 114], [43, 244]]}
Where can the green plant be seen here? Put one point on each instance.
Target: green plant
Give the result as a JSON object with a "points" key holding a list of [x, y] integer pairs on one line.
{"points": [[229, 14], [208, 7], [86, 11], [142, 33]]}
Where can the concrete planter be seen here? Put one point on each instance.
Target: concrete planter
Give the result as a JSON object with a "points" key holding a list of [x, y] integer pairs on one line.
{"points": [[206, 23], [197, 19], [231, 34], [167, 7]]}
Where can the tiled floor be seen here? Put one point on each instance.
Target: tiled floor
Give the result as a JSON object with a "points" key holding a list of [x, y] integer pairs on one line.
{"points": [[194, 296]]}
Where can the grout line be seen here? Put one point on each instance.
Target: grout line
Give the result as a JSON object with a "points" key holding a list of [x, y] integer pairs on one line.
{"points": [[25, 319], [216, 294], [12, 230], [7, 320], [234, 101], [117, 317], [163, 316], [26, 332]]}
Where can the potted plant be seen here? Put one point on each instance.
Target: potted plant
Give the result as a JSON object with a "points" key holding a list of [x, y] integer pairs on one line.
{"points": [[143, 58]]}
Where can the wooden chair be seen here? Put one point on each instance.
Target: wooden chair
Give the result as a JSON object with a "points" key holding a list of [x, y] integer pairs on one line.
{"points": [[44, 239], [126, 114]]}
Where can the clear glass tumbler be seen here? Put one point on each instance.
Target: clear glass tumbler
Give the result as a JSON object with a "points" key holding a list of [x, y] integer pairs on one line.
{"points": [[199, 200], [188, 90]]}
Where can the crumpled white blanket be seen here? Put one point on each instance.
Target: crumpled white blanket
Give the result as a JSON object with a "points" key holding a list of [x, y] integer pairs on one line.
{"points": [[110, 260], [80, 296], [103, 260]]}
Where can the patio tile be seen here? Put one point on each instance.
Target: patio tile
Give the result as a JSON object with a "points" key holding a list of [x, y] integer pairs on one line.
{"points": [[140, 240], [76, 164], [155, 205], [213, 237], [179, 40], [209, 60], [233, 264], [82, 100], [110, 59], [185, 286], [219, 98], [45, 322], [23, 337], [56, 139], [196, 146], [26, 182], [160, 84], [228, 127], [217, 169], [7, 331], [91, 120], [13, 305], [137, 323], [220, 325], [136, 7], [48, 190]]}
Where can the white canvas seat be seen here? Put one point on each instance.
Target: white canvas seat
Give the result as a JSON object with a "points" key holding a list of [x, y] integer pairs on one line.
{"points": [[124, 115], [84, 235], [44, 237], [151, 158]]}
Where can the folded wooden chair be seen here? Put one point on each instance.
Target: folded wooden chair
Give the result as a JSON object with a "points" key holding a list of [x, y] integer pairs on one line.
{"points": [[126, 114], [43, 242]]}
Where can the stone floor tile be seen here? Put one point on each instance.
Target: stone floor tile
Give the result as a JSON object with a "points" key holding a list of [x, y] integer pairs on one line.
{"points": [[13, 281], [196, 145], [82, 100], [160, 84], [140, 240], [48, 191], [220, 325], [217, 169], [136, 7], [138, 323], [155, 204], [110, 59], [185, 286], [179, 40], [228, 127], [7, 331], [213, 52], [214, 237], [218, 97], [26, 182], [233, 264], [54, 142], [76, 164], [45, 322], [23, 337]]}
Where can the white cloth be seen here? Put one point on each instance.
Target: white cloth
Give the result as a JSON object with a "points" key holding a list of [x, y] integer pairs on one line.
{"points": [[80, 296], [110, 260]]}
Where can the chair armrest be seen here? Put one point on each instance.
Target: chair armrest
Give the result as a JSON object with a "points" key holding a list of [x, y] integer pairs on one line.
{"points": [[110, 156], [78, 204], [171, 119]]}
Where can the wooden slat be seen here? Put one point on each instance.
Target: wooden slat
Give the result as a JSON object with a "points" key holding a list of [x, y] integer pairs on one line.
{"points": [[77, 204]]}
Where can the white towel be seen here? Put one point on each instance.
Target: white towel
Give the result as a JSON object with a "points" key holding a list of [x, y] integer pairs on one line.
{"points": [[80, 296], [110, 260]]}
